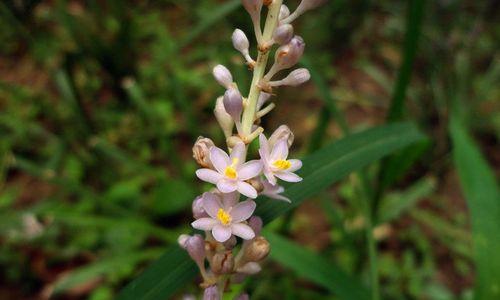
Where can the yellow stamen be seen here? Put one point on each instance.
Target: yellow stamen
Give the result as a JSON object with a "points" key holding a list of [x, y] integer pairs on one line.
{"points": [[282, 164], [230, 171], [223, 217]]}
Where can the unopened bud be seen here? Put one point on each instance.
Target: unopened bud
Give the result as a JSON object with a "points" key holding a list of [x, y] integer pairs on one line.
{"points": [[257, 250], [223, 76], [195, 247], [295, 78], [222, 263], [240, 41], [182, 239], [288, 55], [284, 12], [257, 184], [263, 98], [223, 118], [211, 293], [283, 34], [233, 103], [256, 224], [250, 268], [201, 151], [253, 7], [197, 207], [282, 132], [229, 244]]}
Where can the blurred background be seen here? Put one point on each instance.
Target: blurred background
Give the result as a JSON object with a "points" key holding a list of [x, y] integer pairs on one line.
{"points": [[101, 101]]}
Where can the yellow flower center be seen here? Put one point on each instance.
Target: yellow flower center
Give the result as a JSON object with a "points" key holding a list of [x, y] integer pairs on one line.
{"points": [[282, 164], [223, 217], [230, 171]]}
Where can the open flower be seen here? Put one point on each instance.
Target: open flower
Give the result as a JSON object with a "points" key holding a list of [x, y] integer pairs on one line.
{"points": [[275, 162], [273, 191], [230, 172], [225, 219]]}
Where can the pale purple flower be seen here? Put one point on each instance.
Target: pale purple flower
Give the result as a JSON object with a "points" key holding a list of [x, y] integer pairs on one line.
{"points": [[230, 171], [274, 191], [226, 219], [275, 162]]}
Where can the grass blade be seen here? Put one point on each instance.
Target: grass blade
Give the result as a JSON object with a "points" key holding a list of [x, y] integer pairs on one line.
{"points": [[315, 268]]}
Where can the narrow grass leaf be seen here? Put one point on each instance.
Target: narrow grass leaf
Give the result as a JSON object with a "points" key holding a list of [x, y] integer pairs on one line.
{"points": [[315, 268]]}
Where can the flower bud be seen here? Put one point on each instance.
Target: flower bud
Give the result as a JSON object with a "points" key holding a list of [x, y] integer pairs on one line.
{"points": [[182, 239], [211, 293], [295, 78], [257, 249], [201, 151], [253, 7], [233, 103], [288, 55], [263, 98], [197, 207], [250, 268], [284, 12], [229, 244], [222, 263], [223, 118], [195, 247], [256, 224], [257, 184], [282, 132], [240, 41], [283, 34], [223, 76]]}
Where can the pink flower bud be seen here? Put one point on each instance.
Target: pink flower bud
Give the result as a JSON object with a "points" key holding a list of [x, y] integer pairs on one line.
{"points": [[195, 247], [231, 243], [253, 7], [263, 98], [240, 41], [198, 210], [284, 12], [182, 239], [224, 119], [256, 224], [233, 103], [288, 55], [295, 78], [223, 76], [283, 34], [282, 132], [211, 293], [250, 268]]}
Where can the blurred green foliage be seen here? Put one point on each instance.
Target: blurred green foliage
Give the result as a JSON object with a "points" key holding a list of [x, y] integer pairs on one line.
{"points": [[100, 102]]}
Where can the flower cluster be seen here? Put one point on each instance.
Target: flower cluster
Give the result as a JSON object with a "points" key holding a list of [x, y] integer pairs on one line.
{"points": [[227, 211]]}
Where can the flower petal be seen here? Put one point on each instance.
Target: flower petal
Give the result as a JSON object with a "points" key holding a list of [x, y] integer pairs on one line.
{"points": [[238, 152], [249, 169], [219, 159], [264, 144], [247, 190], [295, 165], [243, 231], [204, 223], [277, 196], [287, 176], [280, 150], [211, 204], [242, 211], [227, 186], [208, 175], [270, 177], [221, 233], [230, 199]]}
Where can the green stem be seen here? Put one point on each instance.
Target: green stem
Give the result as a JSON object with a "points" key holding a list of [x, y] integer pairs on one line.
{"points": [[260, 68]]}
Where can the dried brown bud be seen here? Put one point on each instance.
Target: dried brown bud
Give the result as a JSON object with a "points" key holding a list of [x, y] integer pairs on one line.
{"points": [[201, 151], [257, 250], [282, 132], [222, 263], [257, 184]]}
